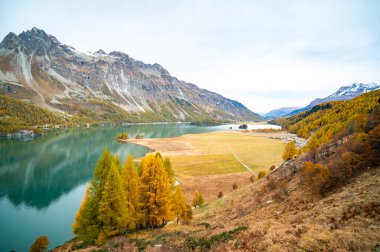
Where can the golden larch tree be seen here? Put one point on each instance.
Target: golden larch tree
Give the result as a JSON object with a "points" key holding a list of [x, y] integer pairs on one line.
{"points": [[113, 214], [155, 192], [86, 226], [179, 203], [290, 151], [130, 180]]}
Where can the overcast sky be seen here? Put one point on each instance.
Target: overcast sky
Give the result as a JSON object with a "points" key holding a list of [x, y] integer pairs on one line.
{"points": [[265, 54]]}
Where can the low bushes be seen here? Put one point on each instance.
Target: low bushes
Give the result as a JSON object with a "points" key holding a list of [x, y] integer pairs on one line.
{"points": [[205, 243], [122, 136]]}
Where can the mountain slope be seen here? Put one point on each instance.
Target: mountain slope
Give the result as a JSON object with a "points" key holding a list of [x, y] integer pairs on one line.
{"points": [[344, 93], [35, 66], [280, 112], [18, 115]]}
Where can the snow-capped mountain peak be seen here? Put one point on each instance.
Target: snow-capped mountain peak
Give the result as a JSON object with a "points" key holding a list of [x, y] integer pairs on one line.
{"points": [[354, 90]]}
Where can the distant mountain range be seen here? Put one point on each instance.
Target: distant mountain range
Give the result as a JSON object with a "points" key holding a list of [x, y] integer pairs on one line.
{"points": [[36, 67], [280, 112], [343, 94]]}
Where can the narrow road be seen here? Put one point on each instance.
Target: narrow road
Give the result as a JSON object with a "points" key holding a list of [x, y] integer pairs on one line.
{"points": [[241, 162]]}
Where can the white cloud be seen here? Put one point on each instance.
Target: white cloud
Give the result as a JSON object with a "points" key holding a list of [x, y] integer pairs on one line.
{"points": [[266, 54]]}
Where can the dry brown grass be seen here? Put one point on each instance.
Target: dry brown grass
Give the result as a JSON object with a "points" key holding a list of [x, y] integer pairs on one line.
{"points": [[211, 185], [302, 222]]}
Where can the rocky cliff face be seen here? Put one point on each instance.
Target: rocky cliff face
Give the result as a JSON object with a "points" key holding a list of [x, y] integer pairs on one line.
{"points": [[35, 66]]}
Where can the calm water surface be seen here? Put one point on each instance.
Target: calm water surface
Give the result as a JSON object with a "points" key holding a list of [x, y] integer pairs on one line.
{"points": [[42, 179]]}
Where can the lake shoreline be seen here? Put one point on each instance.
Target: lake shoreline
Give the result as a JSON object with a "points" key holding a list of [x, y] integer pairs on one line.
{"points": [[38, 130]]}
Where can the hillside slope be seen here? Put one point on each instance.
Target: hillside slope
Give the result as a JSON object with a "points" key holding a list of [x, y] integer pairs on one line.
{"points": [[329, 118], [35, 66], [18, 115]]}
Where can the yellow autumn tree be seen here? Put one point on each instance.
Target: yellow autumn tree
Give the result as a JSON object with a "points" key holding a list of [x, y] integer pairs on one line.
{"points": [[198, 199], [179, 205], [40, 244], [313, 142], [80, 224], [113, 215], [194, 201], [86, 226], [169, 170], [188, 215], [290, 151], [130, 180], [155, 192]]}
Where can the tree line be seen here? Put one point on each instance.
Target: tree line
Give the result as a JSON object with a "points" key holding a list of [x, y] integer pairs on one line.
{"points": [[125, 198]]}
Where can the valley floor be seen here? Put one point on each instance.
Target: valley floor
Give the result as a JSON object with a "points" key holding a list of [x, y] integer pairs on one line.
{"points": [[212, 162]]}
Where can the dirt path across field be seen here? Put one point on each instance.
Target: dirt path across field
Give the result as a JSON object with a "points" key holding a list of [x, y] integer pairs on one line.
{"points": [[238, 159]]}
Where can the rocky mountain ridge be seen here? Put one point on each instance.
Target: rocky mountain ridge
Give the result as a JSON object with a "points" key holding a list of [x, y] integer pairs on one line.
{"points": [[344, 93], [347, 93], [35, 66]]}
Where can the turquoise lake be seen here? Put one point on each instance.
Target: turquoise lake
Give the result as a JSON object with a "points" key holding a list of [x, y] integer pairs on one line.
{"points": [[43, 179]]}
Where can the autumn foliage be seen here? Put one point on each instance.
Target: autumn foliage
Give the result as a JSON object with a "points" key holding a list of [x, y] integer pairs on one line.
{"points": [[336, 119], [290, 151], [316, 176], [123, 198], [40, 244], [198, 199], [340, 149]]}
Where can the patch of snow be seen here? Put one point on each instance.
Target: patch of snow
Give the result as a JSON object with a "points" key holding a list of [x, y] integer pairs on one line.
{"points": [[373, 85], [8, 76], [55, 101], [181, 115]]}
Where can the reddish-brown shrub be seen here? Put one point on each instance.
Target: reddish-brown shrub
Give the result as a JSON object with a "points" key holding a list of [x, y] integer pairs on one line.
{"points": [[220, 194], [234, 186], [252, 178], [272, 184], [317, 177]]}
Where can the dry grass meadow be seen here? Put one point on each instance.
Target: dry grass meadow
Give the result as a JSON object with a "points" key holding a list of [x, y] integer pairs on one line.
{"points": [[206, 162]]}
